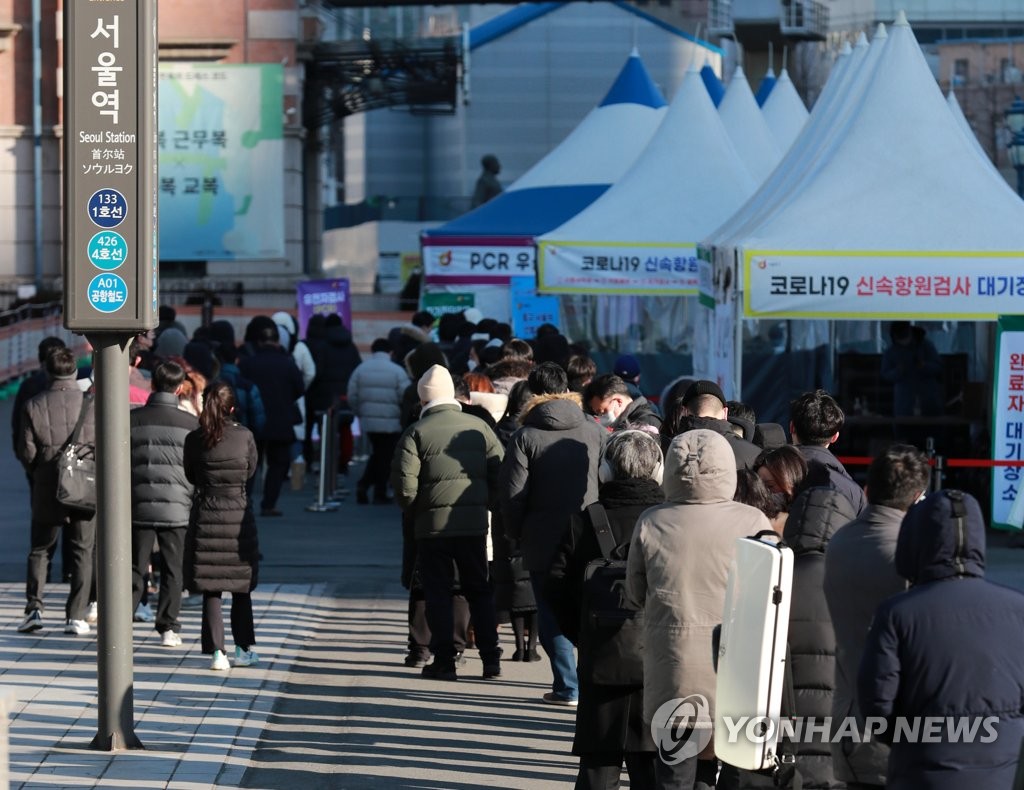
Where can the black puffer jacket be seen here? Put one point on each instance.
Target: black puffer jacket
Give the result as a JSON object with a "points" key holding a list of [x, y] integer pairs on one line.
{"points": [[948, 649], [221, 546], [746, 452], [273, 370], [838, 477], [638, 412], [609, 719], [814, 518], [549, 473], [336, 357], [161, 494], [47, 422]]}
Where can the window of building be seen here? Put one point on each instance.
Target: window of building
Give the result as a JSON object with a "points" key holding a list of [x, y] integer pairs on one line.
{"points": [[961, 69]]}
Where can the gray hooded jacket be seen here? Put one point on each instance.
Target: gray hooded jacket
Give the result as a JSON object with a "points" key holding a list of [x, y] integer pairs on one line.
{"points": [[679, 563]]}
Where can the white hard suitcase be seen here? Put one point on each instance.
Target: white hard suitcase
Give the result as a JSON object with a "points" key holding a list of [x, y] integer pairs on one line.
{"points": [[752, 652]]}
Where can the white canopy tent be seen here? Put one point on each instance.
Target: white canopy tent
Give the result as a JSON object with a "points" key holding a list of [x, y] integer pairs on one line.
{"points": [[784, 112], [641, 236], [746, 126], [887, 214]]}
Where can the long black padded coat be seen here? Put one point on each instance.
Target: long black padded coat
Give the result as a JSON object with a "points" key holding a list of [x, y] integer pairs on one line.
{"points": [[221, 545], [814, 518]]}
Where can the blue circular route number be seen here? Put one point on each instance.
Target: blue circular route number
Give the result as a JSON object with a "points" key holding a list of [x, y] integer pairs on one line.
{"points": [[107, 293], [107, 250], [107, 208]]}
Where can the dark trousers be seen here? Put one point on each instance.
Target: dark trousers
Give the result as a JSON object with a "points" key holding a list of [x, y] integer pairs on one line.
{"points": [[242, 629], [378, 467], [171, 541], [602, 772], [690, 774], [438, 558], [277, 455], [419, 631], [82, 543]]}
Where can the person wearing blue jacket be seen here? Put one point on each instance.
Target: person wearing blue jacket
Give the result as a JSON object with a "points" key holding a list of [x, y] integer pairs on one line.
{"points": [[946, 654]]}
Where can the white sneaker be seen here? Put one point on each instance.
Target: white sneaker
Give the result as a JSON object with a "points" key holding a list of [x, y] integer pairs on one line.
{"points": [[76, 627], [219, 662], [93, 614], [143, 614], [245, 658], [33, 622], [170, 639]]}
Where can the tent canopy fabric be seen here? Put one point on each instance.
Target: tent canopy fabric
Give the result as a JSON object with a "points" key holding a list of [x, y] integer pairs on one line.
{"points": [[784, 112], [594, 155], [747, 129], [687, 181], [766, 87], [898, 219]]}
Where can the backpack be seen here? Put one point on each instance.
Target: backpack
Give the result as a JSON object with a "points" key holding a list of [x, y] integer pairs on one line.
{"points": [[611, 634]]}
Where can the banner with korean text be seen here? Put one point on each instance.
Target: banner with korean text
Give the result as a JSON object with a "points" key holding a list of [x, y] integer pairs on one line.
{"points": [[939, 285], [324, 297], [221, 147], [480, 261], [1008, 423], [579, 267]]}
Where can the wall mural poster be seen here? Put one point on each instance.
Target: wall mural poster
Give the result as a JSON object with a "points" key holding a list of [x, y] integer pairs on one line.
{"points": [[221, 150]]}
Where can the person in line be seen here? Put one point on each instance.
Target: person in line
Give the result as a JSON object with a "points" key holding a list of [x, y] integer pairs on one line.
{"points": [[47, 423], [627, 368], [704, 405], [816, 514], [607, 397], [949, 649], [549, 473], [610, 729], [375, 392], [249, 410], [782, 470], [860, 573], [221, 543], [336, 359], [581, 370], [445, 473], [273, 370], [678, 570], [814, 423], [161, 495]]}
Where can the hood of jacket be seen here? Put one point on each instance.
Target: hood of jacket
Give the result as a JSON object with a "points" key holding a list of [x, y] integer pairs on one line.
{"points": [[560, 412], [940, 538], [691, 423], [700, 467], [338, 336], [494, 402], [814, 517], [423, 358], [745, 425]]}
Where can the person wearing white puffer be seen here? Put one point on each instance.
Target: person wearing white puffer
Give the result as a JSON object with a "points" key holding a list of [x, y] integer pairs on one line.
{"points": [[375, 393]]}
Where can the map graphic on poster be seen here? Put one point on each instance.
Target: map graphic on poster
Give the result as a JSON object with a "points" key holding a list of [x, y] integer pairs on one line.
{"points": [[221, 146]]}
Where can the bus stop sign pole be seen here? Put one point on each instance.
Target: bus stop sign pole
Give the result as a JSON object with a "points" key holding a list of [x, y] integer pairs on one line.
{"points": [[110, 287]]}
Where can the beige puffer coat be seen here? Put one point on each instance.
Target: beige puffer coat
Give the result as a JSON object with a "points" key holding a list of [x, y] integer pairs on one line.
{"points": [[679, 564]]}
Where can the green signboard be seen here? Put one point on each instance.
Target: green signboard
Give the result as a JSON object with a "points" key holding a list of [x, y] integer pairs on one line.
{"points": [[437, 304]]}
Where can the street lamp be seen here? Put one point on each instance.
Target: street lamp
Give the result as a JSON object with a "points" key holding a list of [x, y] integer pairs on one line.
{"points": [[1015, 123]]}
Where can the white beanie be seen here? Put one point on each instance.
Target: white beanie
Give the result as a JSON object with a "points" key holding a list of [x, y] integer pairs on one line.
{"points": [[435, 387], [473, 315]]}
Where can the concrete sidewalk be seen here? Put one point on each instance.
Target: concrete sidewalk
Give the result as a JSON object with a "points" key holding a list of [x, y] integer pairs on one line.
{"points": [[329, 706]]}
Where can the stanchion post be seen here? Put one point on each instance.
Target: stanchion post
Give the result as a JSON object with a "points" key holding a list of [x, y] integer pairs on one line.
{"points": [[323, 502]]}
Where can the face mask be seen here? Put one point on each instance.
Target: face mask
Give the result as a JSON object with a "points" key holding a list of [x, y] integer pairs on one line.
{"points": [[472, 364], [606, 419]]}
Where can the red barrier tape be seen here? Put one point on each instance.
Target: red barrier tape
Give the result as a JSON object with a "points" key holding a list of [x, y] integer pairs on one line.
{"points": [[973, 463]]}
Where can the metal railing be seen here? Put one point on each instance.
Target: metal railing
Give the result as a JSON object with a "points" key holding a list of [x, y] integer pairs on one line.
{"points": [[21, 329], [804, 17]]}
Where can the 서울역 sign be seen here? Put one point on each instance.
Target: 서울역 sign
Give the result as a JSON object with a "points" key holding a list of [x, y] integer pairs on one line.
{"points": [[110, 165]]}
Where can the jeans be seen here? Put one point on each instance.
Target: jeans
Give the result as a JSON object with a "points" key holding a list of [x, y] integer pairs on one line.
{"points": [[243, 631], [82, 542], [438, 558], [171, 541], [558, 647]]}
